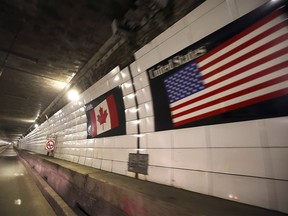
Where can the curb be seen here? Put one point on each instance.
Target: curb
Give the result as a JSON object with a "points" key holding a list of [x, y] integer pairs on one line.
{"points": [[60, 207]]}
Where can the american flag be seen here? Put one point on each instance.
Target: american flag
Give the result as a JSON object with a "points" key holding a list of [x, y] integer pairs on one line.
{"points": [[247, 69]]}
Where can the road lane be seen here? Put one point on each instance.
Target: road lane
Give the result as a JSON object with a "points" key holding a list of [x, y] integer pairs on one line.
{"points": [[19, 195]]}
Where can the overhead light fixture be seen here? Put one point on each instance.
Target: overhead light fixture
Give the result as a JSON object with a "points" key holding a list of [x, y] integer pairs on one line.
{"points": [[36, 125], [73, 95]]}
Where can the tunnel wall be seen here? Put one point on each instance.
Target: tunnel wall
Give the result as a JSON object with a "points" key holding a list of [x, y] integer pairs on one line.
{"points": [[241, 161]]}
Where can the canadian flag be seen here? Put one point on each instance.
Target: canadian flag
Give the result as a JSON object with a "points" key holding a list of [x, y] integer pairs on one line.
{"points": [[103, 117]]}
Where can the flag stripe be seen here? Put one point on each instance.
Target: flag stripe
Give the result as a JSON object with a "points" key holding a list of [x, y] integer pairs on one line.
{"points": [[234, 95], [235, 106], [93, 123], [112, 111], [273, 16], [246, 44], [233, 84], [248, 55], [250, 66]]}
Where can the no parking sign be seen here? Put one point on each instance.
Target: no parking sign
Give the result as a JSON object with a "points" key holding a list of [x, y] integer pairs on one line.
{"points": [[50, 145]]}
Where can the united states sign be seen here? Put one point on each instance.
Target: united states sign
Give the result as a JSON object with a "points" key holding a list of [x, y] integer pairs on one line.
{"points": [[238, 73], [105, 115]]}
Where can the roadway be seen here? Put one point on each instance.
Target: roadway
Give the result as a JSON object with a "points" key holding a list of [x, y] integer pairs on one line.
{"points": [[19, 195]]}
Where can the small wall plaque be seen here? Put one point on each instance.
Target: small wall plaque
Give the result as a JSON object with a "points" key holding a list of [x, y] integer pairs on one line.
{"points": [[138, 163]]}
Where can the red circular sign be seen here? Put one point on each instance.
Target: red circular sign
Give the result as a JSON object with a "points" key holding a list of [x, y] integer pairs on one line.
{"points": [[50, 145]]}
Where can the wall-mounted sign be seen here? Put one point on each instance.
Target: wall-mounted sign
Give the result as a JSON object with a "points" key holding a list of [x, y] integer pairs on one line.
{"points": [[238, 73], [105, 115], [138, 163], [50, 145]]}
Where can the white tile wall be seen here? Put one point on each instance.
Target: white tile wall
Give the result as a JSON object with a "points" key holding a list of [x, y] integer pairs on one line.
{"points": [[144, 95], [243, 161], [240, 134], [141, 80], [161, 175], [282, 195], [277, 131], [196, 181], [245, 6], [242, 189], [193, 159], [190, 138], [279, 158], [146, 109], [175, 43], [147, 125]]}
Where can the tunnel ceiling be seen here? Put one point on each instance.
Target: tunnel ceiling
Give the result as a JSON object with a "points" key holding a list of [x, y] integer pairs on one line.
{"points": [[44, 43]]}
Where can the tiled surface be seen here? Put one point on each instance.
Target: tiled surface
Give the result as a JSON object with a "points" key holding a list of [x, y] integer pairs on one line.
{"points": [[277, 132], [232, 136], [243, 161], [196, 181], [248, 190], [245, 6]]}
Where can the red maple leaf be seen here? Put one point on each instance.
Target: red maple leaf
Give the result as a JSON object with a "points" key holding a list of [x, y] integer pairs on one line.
{"points": [[101, 118]]}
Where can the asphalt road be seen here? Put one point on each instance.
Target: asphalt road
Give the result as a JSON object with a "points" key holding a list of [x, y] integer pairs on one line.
{"points": [[19, 195]]}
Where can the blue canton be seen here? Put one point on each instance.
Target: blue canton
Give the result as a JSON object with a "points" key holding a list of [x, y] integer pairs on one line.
{"points": [[183, 83]]}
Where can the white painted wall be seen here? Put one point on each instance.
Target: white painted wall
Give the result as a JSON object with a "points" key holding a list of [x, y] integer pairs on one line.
{"points": [[244, 161]]}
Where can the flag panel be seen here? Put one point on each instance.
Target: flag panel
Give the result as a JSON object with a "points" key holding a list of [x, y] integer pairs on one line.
{"points": [[246, 69], [105, 115]]}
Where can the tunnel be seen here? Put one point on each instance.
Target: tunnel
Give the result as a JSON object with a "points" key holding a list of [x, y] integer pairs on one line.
{"points": [[176, 108]]}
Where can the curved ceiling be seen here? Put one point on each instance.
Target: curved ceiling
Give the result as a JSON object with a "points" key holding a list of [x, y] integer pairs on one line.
{"points": [[45, 43]]}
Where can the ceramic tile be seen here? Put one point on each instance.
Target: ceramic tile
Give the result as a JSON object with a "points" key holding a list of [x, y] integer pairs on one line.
{"points": [[159, 140], [245, 6], [146, 109], [127, 88], [120, 154], [119, 167], [279, 160], [144, 95], [240, 134], [107, 154], [195, 181], [131, 113], [174, 44], [131, 127], [125, 74], [170, 32], [282, 195], [160, 157], [247, 190], [97, 153], [115, 81], [194, 159], [145, 49], [141, 81], [82, 160], [189, 138], [96, 163], [129, 100], [159, 175], [127, 141], [211, 24], [244, 161], [277, 131], [147, 125], [148, 60], [88, 161], [106, 165]]}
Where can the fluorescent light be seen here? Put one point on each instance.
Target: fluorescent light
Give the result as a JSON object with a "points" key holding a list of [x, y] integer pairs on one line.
{"points": [[73, 95]]}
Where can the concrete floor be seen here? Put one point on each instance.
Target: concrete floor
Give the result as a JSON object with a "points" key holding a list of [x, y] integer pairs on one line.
{"points": [[19, 195]]}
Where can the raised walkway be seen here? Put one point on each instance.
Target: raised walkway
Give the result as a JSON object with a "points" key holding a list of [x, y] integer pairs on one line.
{"points": [[90, 191]]}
